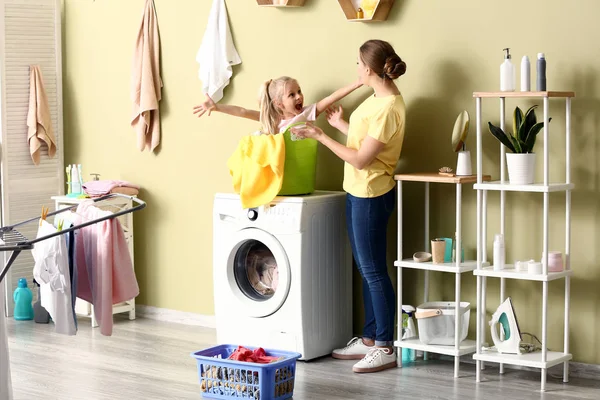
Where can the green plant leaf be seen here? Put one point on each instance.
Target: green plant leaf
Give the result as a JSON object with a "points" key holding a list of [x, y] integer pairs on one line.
{"points": [[517, 121], [517, 145], [535, 129], [501, 136], [528, 122]]}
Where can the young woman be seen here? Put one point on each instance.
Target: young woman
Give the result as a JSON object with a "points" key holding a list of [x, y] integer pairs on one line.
{"points": [[375, 134]]}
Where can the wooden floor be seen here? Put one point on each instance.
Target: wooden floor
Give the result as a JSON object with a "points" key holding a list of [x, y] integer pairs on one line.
{"points": [[146, 359]]}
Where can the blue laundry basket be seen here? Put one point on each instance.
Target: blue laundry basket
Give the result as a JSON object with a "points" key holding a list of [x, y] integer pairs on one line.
{"points": [[221, 378]]}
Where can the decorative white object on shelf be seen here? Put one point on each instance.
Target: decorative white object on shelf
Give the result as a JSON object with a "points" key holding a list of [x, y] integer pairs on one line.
{"points": [[116, 204], [463, 163], [520, 266], [521, 168], [459, 138], [534, 267], [422, 256], [499, 252], [543, 359]]}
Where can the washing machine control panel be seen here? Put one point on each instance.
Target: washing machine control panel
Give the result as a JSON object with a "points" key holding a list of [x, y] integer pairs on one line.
{"points": [[280, 214]]}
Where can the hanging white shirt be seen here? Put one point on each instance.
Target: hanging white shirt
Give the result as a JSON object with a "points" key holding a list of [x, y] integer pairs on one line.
{"points": [[51, 271], [5, 385]]}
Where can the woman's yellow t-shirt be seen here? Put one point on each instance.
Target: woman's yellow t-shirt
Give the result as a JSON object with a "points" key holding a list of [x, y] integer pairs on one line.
{"points": [[382, 118]]}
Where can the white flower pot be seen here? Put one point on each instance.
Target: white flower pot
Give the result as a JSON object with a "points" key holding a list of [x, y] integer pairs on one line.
{"points": [[521, 168]]}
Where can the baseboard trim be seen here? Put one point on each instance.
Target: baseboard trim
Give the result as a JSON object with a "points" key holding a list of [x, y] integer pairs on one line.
{"points": [[179, 317], [576, 369]]}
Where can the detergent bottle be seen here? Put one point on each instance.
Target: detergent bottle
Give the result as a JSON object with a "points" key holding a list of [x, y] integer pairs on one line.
{"points": [[408, 332], [23, 298]]}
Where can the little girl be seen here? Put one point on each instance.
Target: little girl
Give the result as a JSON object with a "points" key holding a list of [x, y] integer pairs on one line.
{"points": [[281, 104]]}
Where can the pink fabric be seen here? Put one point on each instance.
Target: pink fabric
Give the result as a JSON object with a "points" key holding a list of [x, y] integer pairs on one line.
{"points": [[100, 188], [256, 356], [105, 273]]}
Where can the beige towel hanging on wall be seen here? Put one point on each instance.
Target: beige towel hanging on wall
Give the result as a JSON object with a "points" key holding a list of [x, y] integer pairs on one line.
{"points": [[146, 83], [38, 118]]}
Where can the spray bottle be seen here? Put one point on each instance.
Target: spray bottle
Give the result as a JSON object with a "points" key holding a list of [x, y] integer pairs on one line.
{"points": [[525, 74], [541, 72]]}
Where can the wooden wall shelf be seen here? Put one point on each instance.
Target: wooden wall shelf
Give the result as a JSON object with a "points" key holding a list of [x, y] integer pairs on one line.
{"points": [[280, 3], [381, 12]]}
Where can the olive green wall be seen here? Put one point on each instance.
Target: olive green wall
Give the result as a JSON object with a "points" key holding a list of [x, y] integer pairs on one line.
{"points": [[452, 48]]}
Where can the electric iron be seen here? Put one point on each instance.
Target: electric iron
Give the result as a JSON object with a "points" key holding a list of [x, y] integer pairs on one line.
{"points": [[505, 316]]}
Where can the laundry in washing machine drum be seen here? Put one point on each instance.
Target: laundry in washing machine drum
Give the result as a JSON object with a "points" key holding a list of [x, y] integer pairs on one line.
{"points": [[300, 164], [262, 271]]}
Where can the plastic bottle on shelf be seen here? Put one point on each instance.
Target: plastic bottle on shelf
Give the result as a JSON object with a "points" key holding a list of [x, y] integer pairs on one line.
{"points": [[462, 249], [525, 74], [499, 252], [541, 72], [507, 73]]}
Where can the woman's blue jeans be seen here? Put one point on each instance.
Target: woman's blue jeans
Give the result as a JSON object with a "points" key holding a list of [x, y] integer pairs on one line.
{"points": [[367, 220]]}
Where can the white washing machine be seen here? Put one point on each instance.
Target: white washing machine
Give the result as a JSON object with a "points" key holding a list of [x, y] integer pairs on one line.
{"points": [[283, 273]]}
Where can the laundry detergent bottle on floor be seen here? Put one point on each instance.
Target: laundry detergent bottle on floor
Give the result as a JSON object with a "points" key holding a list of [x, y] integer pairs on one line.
{"points": [[408, 332], [23, 298]]}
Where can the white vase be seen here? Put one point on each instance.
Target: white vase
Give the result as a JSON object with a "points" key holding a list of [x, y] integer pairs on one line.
{"points": [[463, 164], [521, 168]]}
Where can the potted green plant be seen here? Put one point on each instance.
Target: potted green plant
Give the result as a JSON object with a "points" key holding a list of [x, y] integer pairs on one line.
{"points": [[521, 162]]}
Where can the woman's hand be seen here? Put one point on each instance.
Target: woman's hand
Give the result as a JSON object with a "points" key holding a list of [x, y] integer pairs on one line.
{"points": [[308, 131], [208, 105], [335, 115]]}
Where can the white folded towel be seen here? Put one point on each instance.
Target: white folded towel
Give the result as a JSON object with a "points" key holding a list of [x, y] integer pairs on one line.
{"points": [[217, 52]]}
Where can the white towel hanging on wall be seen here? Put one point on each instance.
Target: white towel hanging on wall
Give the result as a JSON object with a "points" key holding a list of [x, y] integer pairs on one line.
{"points": [[217, 53]]}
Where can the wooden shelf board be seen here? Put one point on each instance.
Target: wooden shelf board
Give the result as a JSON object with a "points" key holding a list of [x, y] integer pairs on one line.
{"points": [[434, 177]]}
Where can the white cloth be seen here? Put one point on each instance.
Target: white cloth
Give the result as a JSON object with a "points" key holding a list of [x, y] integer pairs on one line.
{"points": [[217, 52], [5, 384], [51, 271]]}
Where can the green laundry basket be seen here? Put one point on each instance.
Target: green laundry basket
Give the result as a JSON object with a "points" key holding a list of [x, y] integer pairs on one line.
{"points": [[300, 165]]}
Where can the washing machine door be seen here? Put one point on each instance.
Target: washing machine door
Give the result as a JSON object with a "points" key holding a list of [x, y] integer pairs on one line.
{"points": [[258, 273]]}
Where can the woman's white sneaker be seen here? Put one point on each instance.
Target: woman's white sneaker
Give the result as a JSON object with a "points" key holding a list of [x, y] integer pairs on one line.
{"points": [[377, 359], [354, 350]]}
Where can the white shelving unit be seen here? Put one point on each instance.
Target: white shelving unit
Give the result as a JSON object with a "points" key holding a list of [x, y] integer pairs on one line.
{"points": [[457, 268], [116, 204], [543, 359]]}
